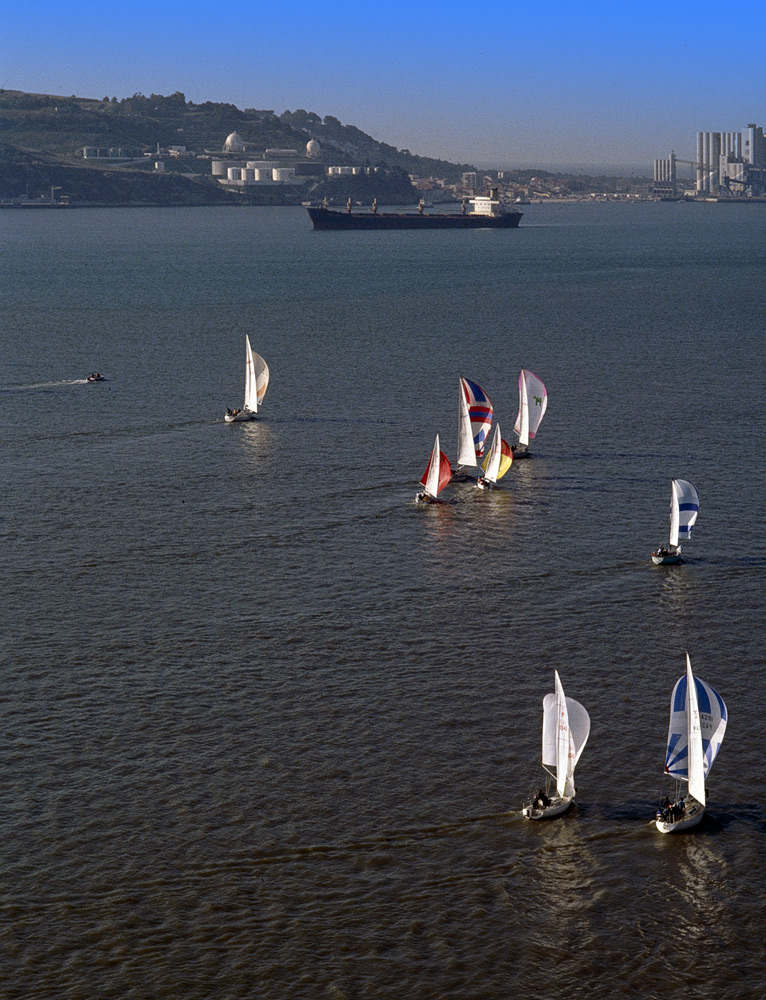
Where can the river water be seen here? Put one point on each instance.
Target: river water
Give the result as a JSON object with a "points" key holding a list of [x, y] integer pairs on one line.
{"points": [[268, 725]]}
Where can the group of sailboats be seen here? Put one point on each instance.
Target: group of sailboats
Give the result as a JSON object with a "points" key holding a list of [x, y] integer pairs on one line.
{"points": [[475, 418], [697, 725]]}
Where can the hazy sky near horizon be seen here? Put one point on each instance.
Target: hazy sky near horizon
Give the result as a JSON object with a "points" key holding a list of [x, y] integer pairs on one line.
{"points": [[562, 82]]}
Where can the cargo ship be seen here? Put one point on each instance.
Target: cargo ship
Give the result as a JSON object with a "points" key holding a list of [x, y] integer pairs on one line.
{"points": [[487, 212]]}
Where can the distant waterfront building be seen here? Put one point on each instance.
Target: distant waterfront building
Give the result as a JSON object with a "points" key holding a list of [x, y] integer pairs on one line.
{"points": [[726, 163], [731, 158], [665, 176]]}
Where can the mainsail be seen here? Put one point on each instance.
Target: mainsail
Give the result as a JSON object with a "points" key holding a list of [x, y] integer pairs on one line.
{"points": [[566, 726], [697, 726], [684, 508], [479, 407], [438, 473], [533, 402]]}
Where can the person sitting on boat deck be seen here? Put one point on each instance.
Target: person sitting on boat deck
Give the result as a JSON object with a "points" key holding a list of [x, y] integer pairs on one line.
{"points": [[664, 811], [542, 801], [421, 497]]}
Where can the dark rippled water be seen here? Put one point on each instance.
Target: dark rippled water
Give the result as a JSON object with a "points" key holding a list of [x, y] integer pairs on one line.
{"points": [[267, 725]]}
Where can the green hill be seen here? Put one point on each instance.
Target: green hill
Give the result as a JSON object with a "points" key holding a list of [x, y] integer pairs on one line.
{"points": [[42, 138]]}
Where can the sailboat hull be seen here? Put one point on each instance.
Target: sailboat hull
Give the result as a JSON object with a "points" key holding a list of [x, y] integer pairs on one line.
{"points": [[520, 451], [234, 418], [557, 807], [692, 816], [666, 560]]}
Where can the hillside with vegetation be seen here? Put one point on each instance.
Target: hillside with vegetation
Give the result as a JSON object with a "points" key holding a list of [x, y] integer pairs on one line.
{"points": [[42, 139]]}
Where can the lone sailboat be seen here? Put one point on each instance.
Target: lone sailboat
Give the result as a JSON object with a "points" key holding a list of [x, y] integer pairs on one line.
{"points": [[473, 425], [498, 461], [436, 476], [684, 508], [256, 384], [697, 726], [566, 726], [533, 402]]}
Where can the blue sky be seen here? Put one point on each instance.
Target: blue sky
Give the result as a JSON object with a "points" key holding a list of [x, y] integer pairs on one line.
{"points": [[561, 82]]}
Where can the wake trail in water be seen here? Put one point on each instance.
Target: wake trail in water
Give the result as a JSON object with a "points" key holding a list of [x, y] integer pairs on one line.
{"points": [[44, 385]]}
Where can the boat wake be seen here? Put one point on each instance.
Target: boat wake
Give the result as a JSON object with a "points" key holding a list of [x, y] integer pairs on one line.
{"points": [[44, 385]]}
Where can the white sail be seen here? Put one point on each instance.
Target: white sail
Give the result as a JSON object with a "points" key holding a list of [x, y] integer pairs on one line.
{"points": [[466, 451], [492, 466], [684, 508], [694, 735], [533, 402], [432, 476], [566, 726], [256, 378], [697, 725]]}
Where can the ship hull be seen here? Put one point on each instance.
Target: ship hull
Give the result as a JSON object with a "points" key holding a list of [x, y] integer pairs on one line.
{"points": [[326, 218]]}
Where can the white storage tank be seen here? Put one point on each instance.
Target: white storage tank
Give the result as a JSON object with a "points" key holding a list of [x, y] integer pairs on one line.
{"points": [[283, 175], [219, 168]]}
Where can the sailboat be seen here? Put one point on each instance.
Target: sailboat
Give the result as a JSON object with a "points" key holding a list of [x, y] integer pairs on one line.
{"points": [[697, 726], [473, 425], [436, 476], [566, 726], [533, 402], [684, 508], [498, 461], [256, 384]]}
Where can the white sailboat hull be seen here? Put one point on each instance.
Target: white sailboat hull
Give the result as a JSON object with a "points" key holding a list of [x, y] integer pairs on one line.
{"points": [[558, 806], [693, 813], [666, 559], [233, 418]]}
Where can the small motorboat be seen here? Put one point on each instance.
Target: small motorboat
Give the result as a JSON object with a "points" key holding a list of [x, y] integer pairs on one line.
{"points": [[95, 377]]}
